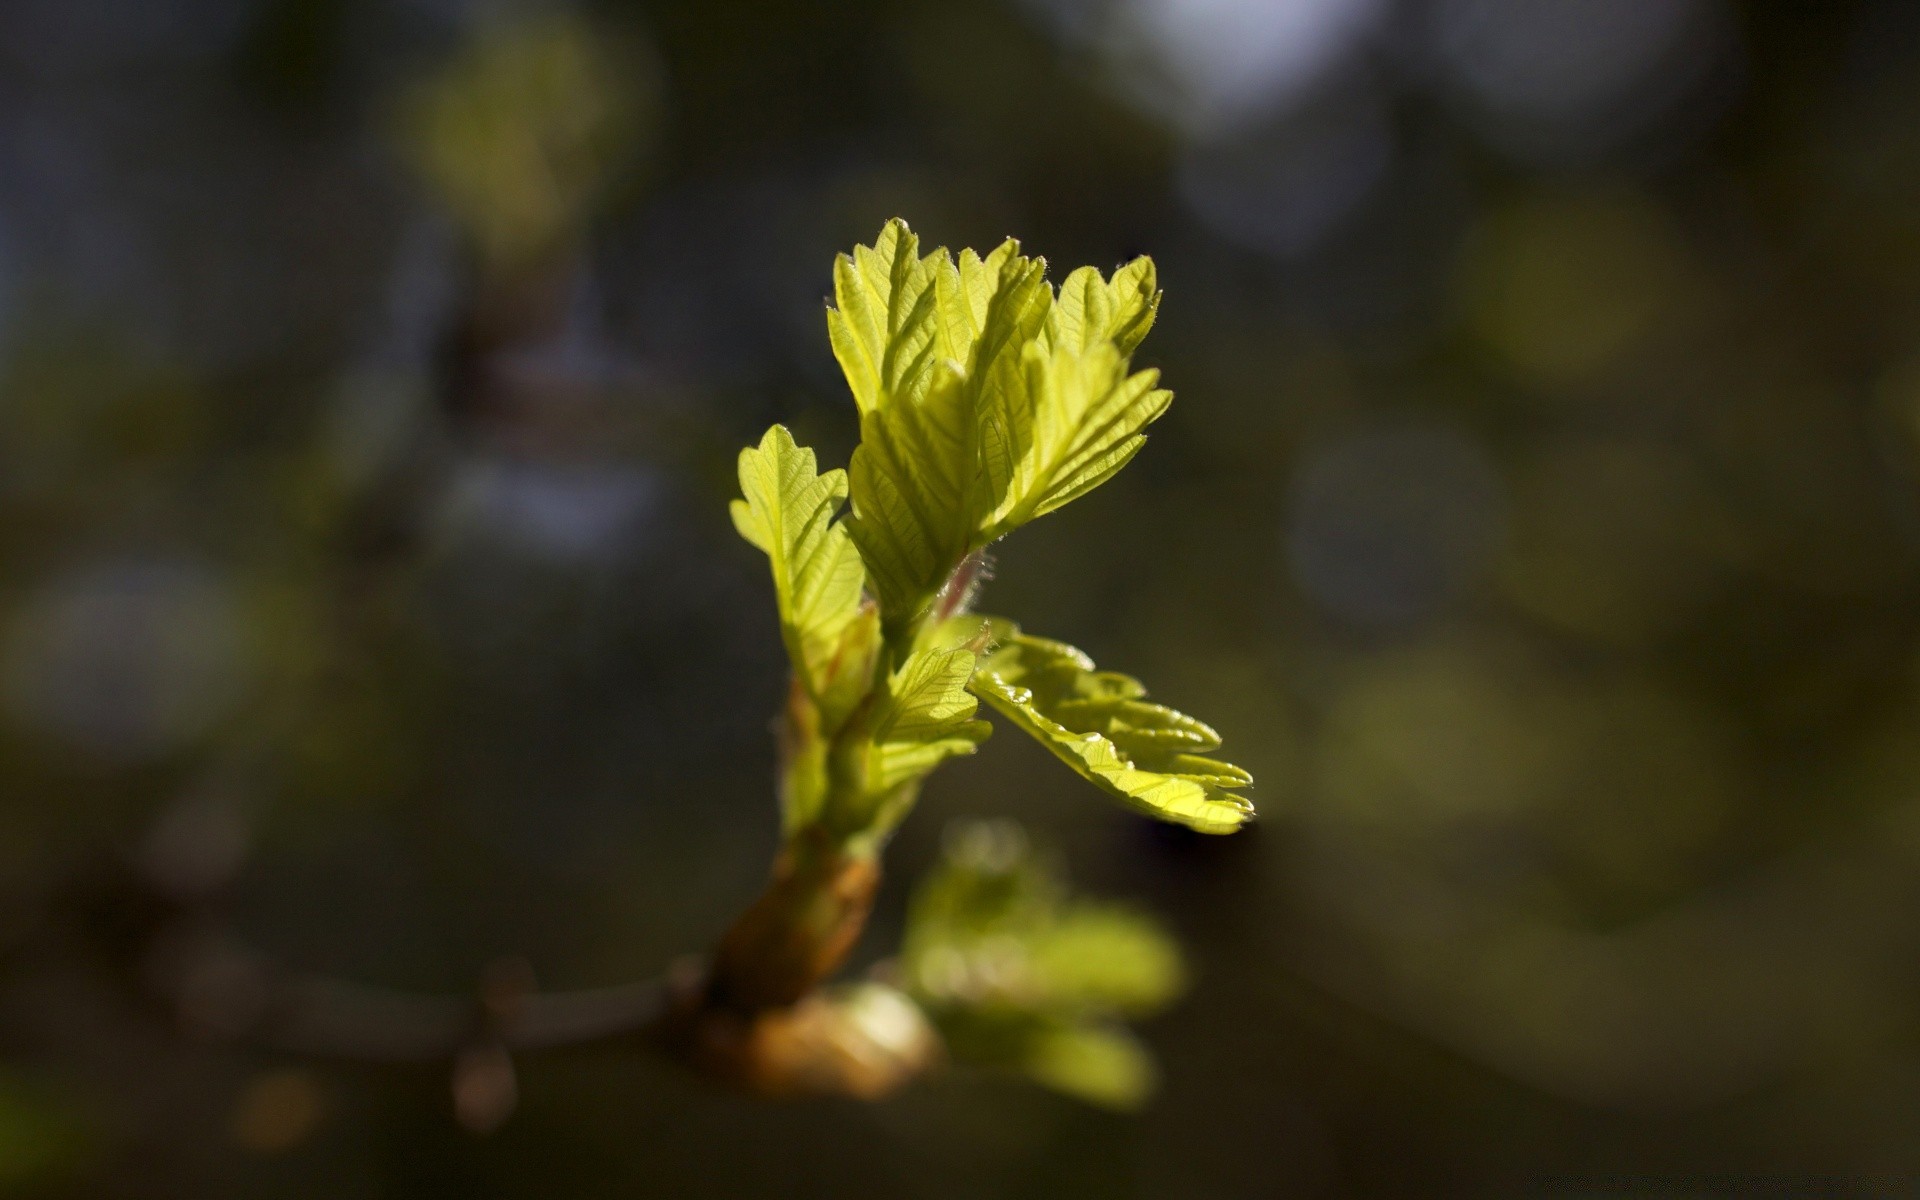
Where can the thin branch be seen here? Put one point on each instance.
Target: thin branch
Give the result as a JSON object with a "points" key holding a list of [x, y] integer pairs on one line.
{"points": [[224, 991]]}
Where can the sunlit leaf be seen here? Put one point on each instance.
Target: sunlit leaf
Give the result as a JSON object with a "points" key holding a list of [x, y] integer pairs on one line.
{"points": [[1098, 722], [984, 401], [923, 342], [912, 481], [1011, 299], [1075, 420], [925, 718], [1092, 309], [788, 511], [884, 323], [1007, 300]]}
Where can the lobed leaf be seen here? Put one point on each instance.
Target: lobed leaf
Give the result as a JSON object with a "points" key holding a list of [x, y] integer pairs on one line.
{"points": [[1092, 310], [1075, 419], [985, 400], [1013, 299], [993, 306], [925, 718], [788, 511], [912, 483], [1099, 723], [885, 320]]}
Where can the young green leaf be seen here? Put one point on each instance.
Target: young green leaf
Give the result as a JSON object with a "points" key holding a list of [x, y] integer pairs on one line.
{"points": [[925, 718], [1006, 299], [919, 488], [1074, 420], [984, 401], [1098, 722], [788, 512], [884, 327], [1011, 300], [1102, 958], [913, 476], [1092, 310]]}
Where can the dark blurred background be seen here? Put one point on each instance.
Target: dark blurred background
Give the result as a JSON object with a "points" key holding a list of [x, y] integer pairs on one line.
{"points": [[1537, 518]]}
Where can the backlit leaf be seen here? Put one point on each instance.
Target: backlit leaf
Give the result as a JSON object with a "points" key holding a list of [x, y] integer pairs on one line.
{"points": [[1100, 724], [922, 482], [912, 483], [884, 323], [1075, 419], [788, 511], [925, 718], [1092, 309]]}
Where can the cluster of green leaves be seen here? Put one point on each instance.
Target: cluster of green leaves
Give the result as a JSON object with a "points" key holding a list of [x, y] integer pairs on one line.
{"points": [[1016, 973], [987, 399]]}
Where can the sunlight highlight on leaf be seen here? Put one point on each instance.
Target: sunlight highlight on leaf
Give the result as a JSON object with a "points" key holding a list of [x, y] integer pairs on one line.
{"points": [[883, 327], [985, 401], [1147, 755], [1076, 421], [926, 718], [1092, 310], [788, 512], [912, 479]]}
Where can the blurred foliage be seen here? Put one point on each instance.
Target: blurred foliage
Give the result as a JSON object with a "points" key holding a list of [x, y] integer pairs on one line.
{"points": [[521, 135], [1017, 974]]}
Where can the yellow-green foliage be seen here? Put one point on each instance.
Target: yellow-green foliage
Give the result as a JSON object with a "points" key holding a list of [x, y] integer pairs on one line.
{"points": [[520, 134], [789, 512], [1101, 724], [986, 401], [1017, 973]]}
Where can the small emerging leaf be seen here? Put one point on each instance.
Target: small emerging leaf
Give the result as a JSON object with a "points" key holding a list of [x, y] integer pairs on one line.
{"points": [[1100, 1064], [1099, 723], [913, 478], [1019, 975], [995, 927], [925, 718], [788, 511], [1074, 421], [1092, 310], [1101, 958], [883, 328]]}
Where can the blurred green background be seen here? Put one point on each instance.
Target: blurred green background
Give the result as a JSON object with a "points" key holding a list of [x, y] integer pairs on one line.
{"points": [[1537, 518]]}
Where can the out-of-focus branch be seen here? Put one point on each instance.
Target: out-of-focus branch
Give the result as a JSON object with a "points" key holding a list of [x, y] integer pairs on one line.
{"points": [[757, 1017], [221, 990], [865, 1040]]}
